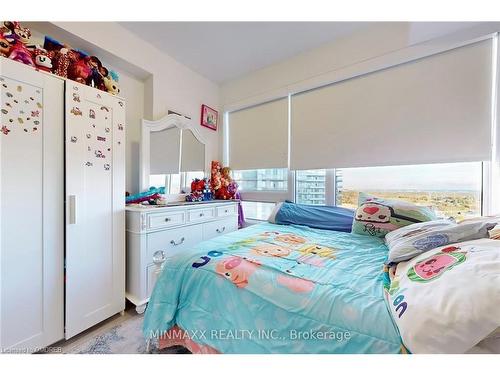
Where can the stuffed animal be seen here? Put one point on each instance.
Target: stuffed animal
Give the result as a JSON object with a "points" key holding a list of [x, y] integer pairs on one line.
{"points": [[79, 71], [21, 53], [61, 55], [42, 61], [223, 185], [5, 47], [111, 83], [96, 78], [15, 33]]}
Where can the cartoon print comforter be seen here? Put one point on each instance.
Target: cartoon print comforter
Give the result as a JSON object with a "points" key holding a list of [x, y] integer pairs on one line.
{"points": [[277, 289]]}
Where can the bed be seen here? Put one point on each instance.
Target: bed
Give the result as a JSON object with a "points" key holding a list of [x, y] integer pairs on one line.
{"points": [[275, 289]]}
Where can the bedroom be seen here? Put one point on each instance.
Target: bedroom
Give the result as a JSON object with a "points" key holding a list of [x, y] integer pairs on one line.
{"points": [[310, 186]]}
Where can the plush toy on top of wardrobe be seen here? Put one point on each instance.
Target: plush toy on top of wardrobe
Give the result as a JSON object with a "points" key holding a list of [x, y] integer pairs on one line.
{"points": [[55, 57]]}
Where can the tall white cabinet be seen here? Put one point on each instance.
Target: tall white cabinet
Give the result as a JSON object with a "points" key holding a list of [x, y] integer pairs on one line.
{"points": [[95, 216], [31, 208], [62, 218]]}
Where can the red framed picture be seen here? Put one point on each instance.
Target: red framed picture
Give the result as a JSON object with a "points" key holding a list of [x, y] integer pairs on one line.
{"points": [[209, 117]]}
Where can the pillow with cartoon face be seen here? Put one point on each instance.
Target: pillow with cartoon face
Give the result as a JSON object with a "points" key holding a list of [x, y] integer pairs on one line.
{"points": [[446, 300], [412, 240], [378, 216]]}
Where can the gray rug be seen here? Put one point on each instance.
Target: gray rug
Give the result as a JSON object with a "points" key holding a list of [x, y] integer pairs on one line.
{"points": [[124, 337]]}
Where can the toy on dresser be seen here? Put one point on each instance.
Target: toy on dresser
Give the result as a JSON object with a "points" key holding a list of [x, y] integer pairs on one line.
{"points": [[153, 196], [200, 191], [223, 185]]}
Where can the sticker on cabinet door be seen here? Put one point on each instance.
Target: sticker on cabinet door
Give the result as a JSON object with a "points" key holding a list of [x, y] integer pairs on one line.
{"points": [[74, 139], [76, 111], [76, 97], [120, 126], [107, 167], [92, 113], [18, 107], [99, 154]]}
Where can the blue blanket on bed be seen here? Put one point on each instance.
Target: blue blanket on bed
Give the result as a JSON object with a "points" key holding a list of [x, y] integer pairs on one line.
{"points": [[320, 217], [278, 289]]}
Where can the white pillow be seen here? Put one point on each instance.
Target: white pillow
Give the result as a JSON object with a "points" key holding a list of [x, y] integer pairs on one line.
{"points": [[412, 240], [448, 299]]}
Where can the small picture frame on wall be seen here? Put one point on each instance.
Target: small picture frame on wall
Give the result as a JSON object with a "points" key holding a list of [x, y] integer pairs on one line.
{"points": [[209, 117]]}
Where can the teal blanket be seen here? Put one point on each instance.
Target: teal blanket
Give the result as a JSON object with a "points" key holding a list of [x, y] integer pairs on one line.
{"points": [[278, 289]]}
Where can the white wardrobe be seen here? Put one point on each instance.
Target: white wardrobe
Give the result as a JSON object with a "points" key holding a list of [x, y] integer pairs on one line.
{"points": [[62, 222]]}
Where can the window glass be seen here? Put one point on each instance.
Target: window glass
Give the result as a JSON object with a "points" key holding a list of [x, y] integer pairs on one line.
{"points": [[310, 186], [173, 183], [262, 179], [157, 180], [257, 210], [451, 189]]}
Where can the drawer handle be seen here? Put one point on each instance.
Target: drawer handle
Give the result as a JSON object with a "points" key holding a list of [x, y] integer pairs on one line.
{"points": [[202, 214], [167, 219], [159, 257], [177, 243], [220, 230], [226, 211]]}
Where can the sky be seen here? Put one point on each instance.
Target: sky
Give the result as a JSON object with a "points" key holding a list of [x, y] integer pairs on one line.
{"points": [[456, 176]]}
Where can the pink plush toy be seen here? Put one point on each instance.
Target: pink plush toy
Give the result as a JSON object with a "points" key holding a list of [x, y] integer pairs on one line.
{"points": [[21, 53]]}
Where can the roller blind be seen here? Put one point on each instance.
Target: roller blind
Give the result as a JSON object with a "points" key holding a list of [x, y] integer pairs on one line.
{"points": [[165, 151], [258, 136], [192, 154], [435, 109]]}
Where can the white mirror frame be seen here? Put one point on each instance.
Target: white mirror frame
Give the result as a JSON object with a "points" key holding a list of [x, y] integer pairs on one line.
{"points": [[167, 122]]}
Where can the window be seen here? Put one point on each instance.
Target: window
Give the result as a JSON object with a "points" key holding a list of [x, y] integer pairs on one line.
{"points": [[157, 180], [262, 179], [451, 189], [260, 190], [177, 183], [257, 210], [310, 187]]}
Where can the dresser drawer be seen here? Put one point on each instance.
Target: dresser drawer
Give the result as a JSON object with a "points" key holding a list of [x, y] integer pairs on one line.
{"points": [[227, 210], [172, 241], [166, 219], [201, 214], [220, 227]]}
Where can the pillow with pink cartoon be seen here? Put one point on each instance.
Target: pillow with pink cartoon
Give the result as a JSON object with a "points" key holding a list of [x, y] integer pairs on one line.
{"points": [[446, 300], [412, 240]]}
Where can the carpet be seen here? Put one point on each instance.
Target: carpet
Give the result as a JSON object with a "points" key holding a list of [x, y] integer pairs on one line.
{"points": [[123, 336]]}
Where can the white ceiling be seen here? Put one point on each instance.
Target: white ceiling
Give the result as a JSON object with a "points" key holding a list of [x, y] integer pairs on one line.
{"points": [[222, 51]]}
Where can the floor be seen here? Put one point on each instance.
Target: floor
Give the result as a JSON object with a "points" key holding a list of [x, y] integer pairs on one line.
{"points": [[116, 335]]}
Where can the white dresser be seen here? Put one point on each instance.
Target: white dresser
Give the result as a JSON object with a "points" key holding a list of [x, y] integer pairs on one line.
{"points": [[155, 234]]}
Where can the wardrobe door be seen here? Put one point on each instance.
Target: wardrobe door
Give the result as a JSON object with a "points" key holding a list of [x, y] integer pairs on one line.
{"points": [[95, 216], [32, 208]]}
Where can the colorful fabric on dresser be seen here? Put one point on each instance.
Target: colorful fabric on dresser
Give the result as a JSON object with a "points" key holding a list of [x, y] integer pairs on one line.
{"points": [[274, 289]]}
